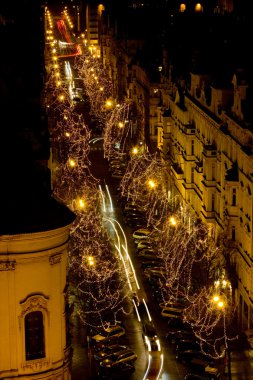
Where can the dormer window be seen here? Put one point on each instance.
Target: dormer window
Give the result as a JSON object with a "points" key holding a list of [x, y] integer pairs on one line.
{"points": [[182, 7], [198, 7]]}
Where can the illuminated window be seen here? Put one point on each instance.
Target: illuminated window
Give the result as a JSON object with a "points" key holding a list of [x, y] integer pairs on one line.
{"points": [[34, 336], [182, 7], [198, 7]]}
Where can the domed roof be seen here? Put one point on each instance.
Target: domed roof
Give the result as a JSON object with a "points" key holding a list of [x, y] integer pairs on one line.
{"points": [[26, 204]]}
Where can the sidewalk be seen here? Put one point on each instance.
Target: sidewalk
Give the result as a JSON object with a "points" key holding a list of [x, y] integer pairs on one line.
{"points": [[241, 367]]}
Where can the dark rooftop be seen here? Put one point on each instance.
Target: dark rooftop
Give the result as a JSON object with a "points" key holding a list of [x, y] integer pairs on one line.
{"points": [[25, 192]]}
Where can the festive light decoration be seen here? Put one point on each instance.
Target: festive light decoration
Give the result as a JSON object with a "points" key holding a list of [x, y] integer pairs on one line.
{"points": [[189, 254], [95, 271]]}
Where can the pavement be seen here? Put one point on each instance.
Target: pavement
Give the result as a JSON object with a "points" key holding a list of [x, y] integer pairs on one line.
{"points": [[241, 367]]}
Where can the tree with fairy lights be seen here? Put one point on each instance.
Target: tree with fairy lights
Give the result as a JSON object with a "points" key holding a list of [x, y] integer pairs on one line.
{"points": [[190, 256], [99, 289]]}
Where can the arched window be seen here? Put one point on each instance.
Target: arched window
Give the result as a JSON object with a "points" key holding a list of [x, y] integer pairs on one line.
{"points": [[34, 336]]}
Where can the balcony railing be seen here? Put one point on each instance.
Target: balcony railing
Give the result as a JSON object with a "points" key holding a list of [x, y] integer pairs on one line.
{"points": [[177, 171]]}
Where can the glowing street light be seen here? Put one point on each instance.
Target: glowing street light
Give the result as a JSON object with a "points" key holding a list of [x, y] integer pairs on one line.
{"points": [[151, 184], [81, 203], [135, 150], [172, 221], [91, 261], [108, 103], [72, 163]]}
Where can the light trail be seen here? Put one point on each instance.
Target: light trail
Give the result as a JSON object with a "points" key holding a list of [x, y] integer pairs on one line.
{"points": [[110, 198], [132, 267], [103, 198], [95, 139], [137, 312], [161, 367], [117, 235], [148, 368], [126, 251], [126, 271], [146, 306]]}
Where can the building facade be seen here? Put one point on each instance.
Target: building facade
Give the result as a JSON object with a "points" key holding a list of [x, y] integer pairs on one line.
{"points": [[34, 337], [203, 131]]}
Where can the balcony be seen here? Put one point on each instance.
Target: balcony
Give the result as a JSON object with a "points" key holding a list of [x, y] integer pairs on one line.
{"points": [[210, 151], [209, 216], [199, 167], [208, 182], [177, 171], [188, 129]]}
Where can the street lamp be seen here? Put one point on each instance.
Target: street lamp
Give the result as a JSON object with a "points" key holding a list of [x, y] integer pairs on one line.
{"points": [[71, 163], [173, 221], [108, 103], [221, 305], [151, 184], [91, 261], [135, 151]]}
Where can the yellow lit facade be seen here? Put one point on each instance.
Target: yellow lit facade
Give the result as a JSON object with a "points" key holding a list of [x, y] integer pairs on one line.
{"points": [[211, 155], [209, 150], [32, 290]]}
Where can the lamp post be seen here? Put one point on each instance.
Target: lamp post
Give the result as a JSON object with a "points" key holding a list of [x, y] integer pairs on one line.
{"points": [[91, 263], [220, 304]]}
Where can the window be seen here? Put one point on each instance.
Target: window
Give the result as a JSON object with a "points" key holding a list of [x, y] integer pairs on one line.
{"points": [[213, 172], [192, 148], [213, 202], [233, 233], [34, 336], [234, 197], [192, 175]]}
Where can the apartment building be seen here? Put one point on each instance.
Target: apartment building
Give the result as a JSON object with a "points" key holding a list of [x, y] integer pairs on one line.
{"points": [[204, 131], [210, 150]]}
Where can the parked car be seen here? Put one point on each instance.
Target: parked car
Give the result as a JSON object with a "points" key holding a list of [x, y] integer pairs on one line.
{"points": [[171, 304], [117, 173], [140, 234], [196, 376], [126, 356], [172, 312], [186, 344], [150, 336], [175, 336], [136, 222], [148, 255], [134, 214], [143, 244], [194, 356], [150, 263], [147, 250], [132, 207], [118, 371], [178, 324], [109, 334], [204, 373], [107, 351], [155, 272]]}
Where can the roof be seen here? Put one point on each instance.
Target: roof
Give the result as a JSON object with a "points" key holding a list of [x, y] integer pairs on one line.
{"points": [[26, 202], [37, 216]]}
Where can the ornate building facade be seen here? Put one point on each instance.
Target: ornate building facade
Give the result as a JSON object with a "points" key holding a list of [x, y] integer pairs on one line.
{"points": [[34, 332]]}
